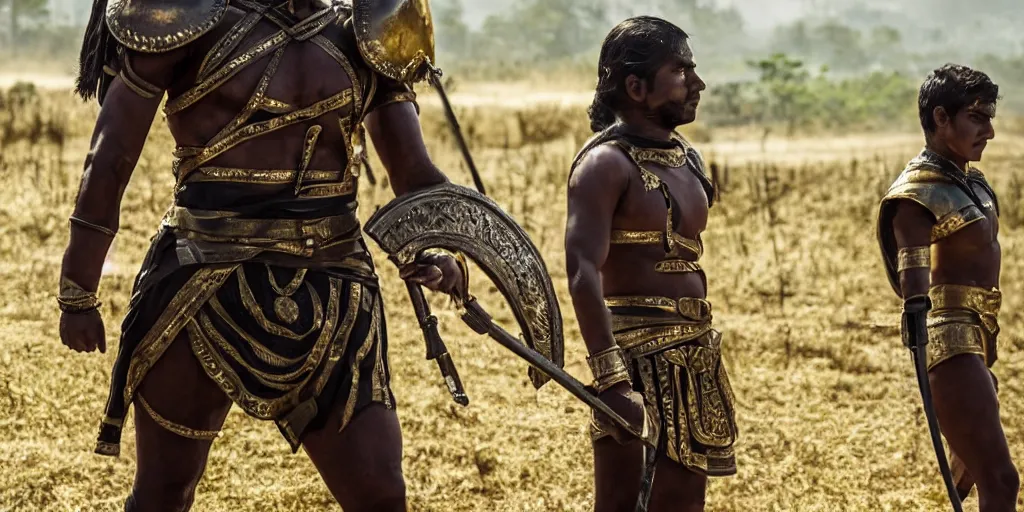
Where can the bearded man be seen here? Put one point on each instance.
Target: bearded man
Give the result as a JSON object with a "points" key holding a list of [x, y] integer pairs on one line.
{"points": [[638, 201]]}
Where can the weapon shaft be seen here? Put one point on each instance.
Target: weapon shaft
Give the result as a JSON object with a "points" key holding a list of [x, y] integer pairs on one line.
{"points": [[480, 321], [434, 76], [916, 332], [436, 348]]}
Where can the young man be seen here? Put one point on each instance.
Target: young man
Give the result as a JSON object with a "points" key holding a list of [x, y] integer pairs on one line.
{"points": [[638, 202], [258, 288], [938, 228]]}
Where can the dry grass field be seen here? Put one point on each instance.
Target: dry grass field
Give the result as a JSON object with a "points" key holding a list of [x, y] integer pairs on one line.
{"points": [[829, 412]]}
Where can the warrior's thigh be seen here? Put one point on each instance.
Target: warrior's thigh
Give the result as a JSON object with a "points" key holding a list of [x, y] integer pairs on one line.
{"points": [[617, 472], [361, 464], [677, 488], [178, 409], [968, 412]]}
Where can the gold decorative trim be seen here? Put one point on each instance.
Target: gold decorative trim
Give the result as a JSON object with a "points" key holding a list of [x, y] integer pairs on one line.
{"points": [[136, 83], [181, 430], [256, 311], [220, 371], [671, 158], [228, 44], [395, 39], [677, 267], [663, 303], [94, 227], [343, 337], [640, 342], [164, 25], [953, 339], [955, 222], [914, 257], [980, 300], [225, 73], [621, 236], [399, 97], [308, 147], [689, 307], [681, 242], [258, 176], [364, 350], [179, 312], [609, 368], [252, 131], [280, 382], [256, 101]]}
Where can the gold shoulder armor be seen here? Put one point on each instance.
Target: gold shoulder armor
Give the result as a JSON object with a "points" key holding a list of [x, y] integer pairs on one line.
{"points": [[925, 185], [155, 26], [395, 37], [952, 208]]}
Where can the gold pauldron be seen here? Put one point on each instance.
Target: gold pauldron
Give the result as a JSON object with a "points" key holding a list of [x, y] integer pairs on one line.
{"points": [[914, 257], [74, 299], [609, 368]]}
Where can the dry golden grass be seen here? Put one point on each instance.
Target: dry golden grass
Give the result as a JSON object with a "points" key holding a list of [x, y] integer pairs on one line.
{"points": [[828, 409]]}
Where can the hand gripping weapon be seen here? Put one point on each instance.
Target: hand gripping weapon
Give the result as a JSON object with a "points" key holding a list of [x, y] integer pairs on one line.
{"points": [[915, 337], [396, 38]]}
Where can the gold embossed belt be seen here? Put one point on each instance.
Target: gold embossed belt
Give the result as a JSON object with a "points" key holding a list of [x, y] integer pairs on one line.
{"points": [[670, 322], [983, 302], [212, 236]]}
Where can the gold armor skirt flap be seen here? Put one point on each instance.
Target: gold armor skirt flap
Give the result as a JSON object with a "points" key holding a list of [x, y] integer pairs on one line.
{"points": [[963, 320], [676, 363]]}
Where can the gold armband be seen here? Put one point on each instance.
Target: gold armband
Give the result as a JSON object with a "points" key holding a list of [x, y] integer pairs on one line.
{"points": [[95, 227], [914, 257], [75, 299], [609, 368]]}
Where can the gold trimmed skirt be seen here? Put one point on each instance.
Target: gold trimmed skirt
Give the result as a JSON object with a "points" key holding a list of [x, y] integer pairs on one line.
{"points": [[963, 320], [676, 364], [285, 344]]}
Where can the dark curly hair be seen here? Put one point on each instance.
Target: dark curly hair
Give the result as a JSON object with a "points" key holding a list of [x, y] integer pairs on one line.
{"points": [[637, 46], [953, 87]]}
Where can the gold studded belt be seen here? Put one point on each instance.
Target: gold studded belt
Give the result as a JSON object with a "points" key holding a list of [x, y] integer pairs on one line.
{"points": [[666, 323], [207, 236], [948, 298]]}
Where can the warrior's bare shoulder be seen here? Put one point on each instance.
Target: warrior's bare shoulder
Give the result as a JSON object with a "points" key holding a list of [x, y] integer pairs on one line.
{"points": [[603, 170]]}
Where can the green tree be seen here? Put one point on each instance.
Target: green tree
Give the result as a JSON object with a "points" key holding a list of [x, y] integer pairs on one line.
{"points": [[784, 91]]}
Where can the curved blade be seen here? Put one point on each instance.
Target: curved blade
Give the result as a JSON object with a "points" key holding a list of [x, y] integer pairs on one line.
{"points": [[457, 218], [921, 369]]}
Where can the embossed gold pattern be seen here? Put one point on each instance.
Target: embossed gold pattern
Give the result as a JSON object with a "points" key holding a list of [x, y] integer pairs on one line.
{"points": [[155, 26], [258, 176], [944, 190], [200, 287], [683, 382], [455, 218], [396, 37], [229, 43], [677, 267], [181, 430], [963, 320], [914, 257], [609, 368]]}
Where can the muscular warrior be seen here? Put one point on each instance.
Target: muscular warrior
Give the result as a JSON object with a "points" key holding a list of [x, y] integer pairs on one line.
{"points": [[938, 228], [258, 288], [638, 202]]}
